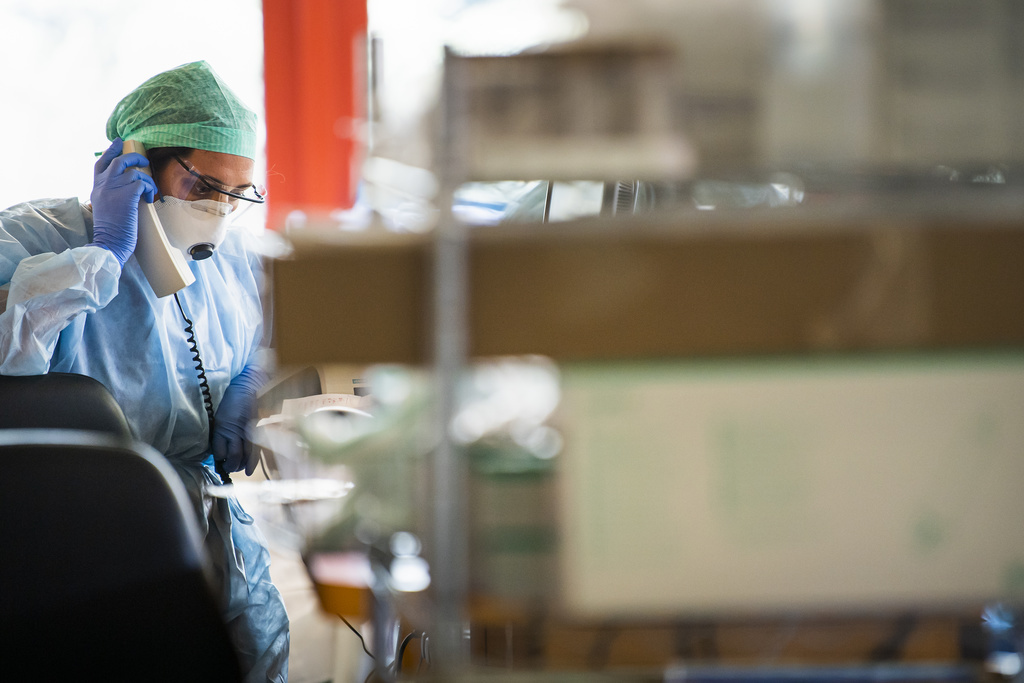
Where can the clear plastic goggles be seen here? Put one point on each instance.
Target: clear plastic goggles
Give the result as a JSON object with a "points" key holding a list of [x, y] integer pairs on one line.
{"points": [[201, 186]]}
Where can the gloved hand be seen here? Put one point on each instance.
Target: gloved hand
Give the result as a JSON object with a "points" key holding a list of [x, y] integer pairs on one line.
{"points": [[118, 185], [232, 444]]}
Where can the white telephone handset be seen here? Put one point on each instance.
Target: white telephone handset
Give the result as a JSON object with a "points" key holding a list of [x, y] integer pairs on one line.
{"points": [[163, 265]]}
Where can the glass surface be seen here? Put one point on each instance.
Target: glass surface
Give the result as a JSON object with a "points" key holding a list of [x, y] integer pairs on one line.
{"points": [[200, 186]]}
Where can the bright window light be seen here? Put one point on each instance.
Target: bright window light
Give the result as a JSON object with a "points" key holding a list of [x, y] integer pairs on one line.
{"points": [[75, 60]]}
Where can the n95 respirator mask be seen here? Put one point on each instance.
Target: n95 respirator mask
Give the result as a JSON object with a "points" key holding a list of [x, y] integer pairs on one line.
{"points": [[196, 228]]}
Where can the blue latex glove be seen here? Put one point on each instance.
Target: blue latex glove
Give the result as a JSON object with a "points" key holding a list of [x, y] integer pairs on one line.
{"points": [[118, 186], [232, 443]]}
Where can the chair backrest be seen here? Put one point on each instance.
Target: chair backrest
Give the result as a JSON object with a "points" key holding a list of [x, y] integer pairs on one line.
{"points": [[59, 400], [101, 564]]}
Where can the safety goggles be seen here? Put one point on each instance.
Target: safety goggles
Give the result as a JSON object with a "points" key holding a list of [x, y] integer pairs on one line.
{"points": [[206, 187]]}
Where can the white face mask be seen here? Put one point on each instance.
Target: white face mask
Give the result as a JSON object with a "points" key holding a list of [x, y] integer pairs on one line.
{"points": [[196, 228]]}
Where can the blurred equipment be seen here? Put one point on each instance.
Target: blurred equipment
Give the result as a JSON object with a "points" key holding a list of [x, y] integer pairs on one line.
{"points": [[343, 483], [568, 113], [785, 442], [764, 83]]}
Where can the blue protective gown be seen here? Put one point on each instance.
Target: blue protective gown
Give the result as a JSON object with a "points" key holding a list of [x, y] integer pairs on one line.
{"points": [[68, 307]]}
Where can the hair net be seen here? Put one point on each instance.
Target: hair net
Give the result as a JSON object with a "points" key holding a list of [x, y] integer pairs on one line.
{"points": [[189, 106]]}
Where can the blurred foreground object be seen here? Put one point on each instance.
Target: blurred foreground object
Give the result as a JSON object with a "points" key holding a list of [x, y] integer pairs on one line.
{"points": [[315, 63], [713, 283], [572, 112], [823, 292]]}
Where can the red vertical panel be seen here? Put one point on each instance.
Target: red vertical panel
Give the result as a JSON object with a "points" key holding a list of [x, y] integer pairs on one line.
{"points": [[282, 135], [314, 102]]}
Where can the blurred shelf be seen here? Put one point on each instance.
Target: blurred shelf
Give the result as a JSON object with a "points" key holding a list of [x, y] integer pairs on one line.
{"points": [[776, 282]]}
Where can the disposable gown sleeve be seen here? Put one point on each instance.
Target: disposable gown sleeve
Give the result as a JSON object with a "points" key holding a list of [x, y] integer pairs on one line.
{"points": [[261, 357], [45, 294]]}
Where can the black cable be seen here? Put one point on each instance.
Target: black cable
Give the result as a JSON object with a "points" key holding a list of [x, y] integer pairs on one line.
{"points": [[360, 636], [600, 650], [204, 385], [401, 650], [547, 202], [695, 640], [890, 648]]}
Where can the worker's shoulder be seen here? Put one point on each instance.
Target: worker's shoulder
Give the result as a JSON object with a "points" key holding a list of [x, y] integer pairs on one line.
{"points": [[36, 223], [67, 211]]}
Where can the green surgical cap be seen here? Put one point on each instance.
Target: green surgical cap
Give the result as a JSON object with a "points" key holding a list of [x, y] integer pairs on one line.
{"points": [[189, 106]]}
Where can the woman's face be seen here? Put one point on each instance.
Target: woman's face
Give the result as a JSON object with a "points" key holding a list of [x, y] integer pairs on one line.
{"points": [[218, 172]]}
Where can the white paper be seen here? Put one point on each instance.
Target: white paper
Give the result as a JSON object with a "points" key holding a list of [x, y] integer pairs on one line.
{"points": [[294, 407]]}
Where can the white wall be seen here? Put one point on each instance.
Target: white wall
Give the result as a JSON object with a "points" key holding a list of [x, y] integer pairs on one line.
{"points": [[64, 64]]}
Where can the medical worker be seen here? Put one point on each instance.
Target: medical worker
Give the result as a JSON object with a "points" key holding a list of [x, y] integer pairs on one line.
{"points": [[74, 299]]}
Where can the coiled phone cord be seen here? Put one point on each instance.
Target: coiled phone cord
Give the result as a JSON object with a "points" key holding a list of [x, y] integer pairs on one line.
{"points": [[204, 386]]}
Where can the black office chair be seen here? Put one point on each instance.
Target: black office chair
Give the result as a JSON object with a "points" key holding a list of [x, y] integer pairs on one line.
{"points": [[102, 571], [59, 400]]}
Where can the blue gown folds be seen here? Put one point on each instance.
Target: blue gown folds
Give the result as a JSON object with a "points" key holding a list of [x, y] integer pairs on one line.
{"points": [[68, 307]]}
